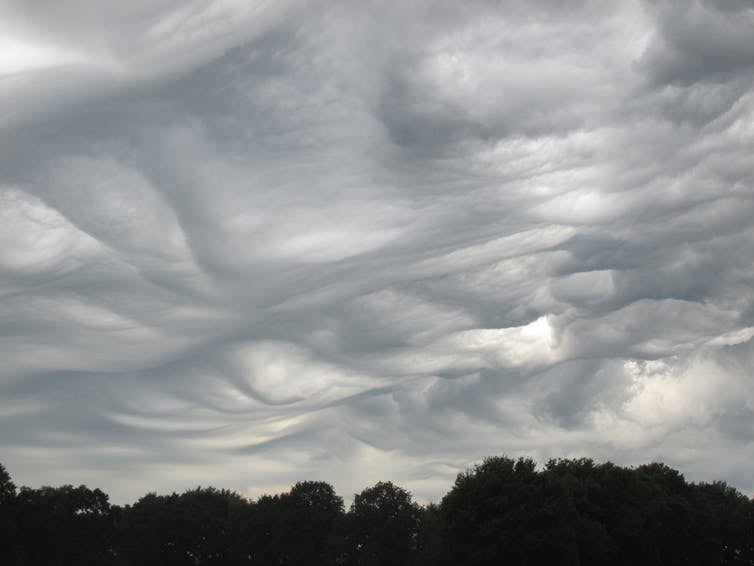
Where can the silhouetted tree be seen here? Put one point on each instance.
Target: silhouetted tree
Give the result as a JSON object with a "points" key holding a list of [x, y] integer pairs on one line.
{"points": [[296, 528], [7, 487], [311, 512], [382, 526], [8, 534], [265, 531], [64, 525], [496, 514], [578, 531], [724, 525], [431, 545], [195, 527], [502, 512]]}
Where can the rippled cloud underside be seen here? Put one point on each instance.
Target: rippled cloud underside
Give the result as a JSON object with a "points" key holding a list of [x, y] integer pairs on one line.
{"points": [[244, 244]]}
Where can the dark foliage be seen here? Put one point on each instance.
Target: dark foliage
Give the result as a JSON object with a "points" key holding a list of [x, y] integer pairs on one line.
{"points": [[196, 527], [295, 528], [381, 526], [59, 526], [502, 512]]}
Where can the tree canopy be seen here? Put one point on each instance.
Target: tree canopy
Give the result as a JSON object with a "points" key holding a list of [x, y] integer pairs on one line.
{"points": [[501, 511]]}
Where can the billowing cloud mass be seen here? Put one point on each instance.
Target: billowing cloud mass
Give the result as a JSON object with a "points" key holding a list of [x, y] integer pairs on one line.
{"points": [[244, 244]]}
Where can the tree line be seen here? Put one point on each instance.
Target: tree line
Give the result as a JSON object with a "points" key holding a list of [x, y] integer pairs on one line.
{"points": [[572, 512]]}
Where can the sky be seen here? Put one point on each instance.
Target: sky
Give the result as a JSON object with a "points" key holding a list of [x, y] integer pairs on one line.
{"points": [[244, 244]]}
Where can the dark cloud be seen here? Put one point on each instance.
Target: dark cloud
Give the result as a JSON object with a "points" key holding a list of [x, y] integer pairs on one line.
{"points": [[246, 245], [701, 42]]}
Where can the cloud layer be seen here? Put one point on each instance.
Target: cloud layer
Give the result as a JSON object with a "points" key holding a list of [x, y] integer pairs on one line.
{"points": [[247, 244]]}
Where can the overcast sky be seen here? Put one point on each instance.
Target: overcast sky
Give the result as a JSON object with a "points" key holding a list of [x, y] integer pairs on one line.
{"points": [[244, 244]]}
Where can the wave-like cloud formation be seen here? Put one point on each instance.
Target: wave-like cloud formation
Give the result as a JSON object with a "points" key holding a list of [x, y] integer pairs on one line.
{"points": [[246, 244]]}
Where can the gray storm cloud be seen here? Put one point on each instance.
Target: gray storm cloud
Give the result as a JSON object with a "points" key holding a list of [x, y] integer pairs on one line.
{"points": [[247, 244]]}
